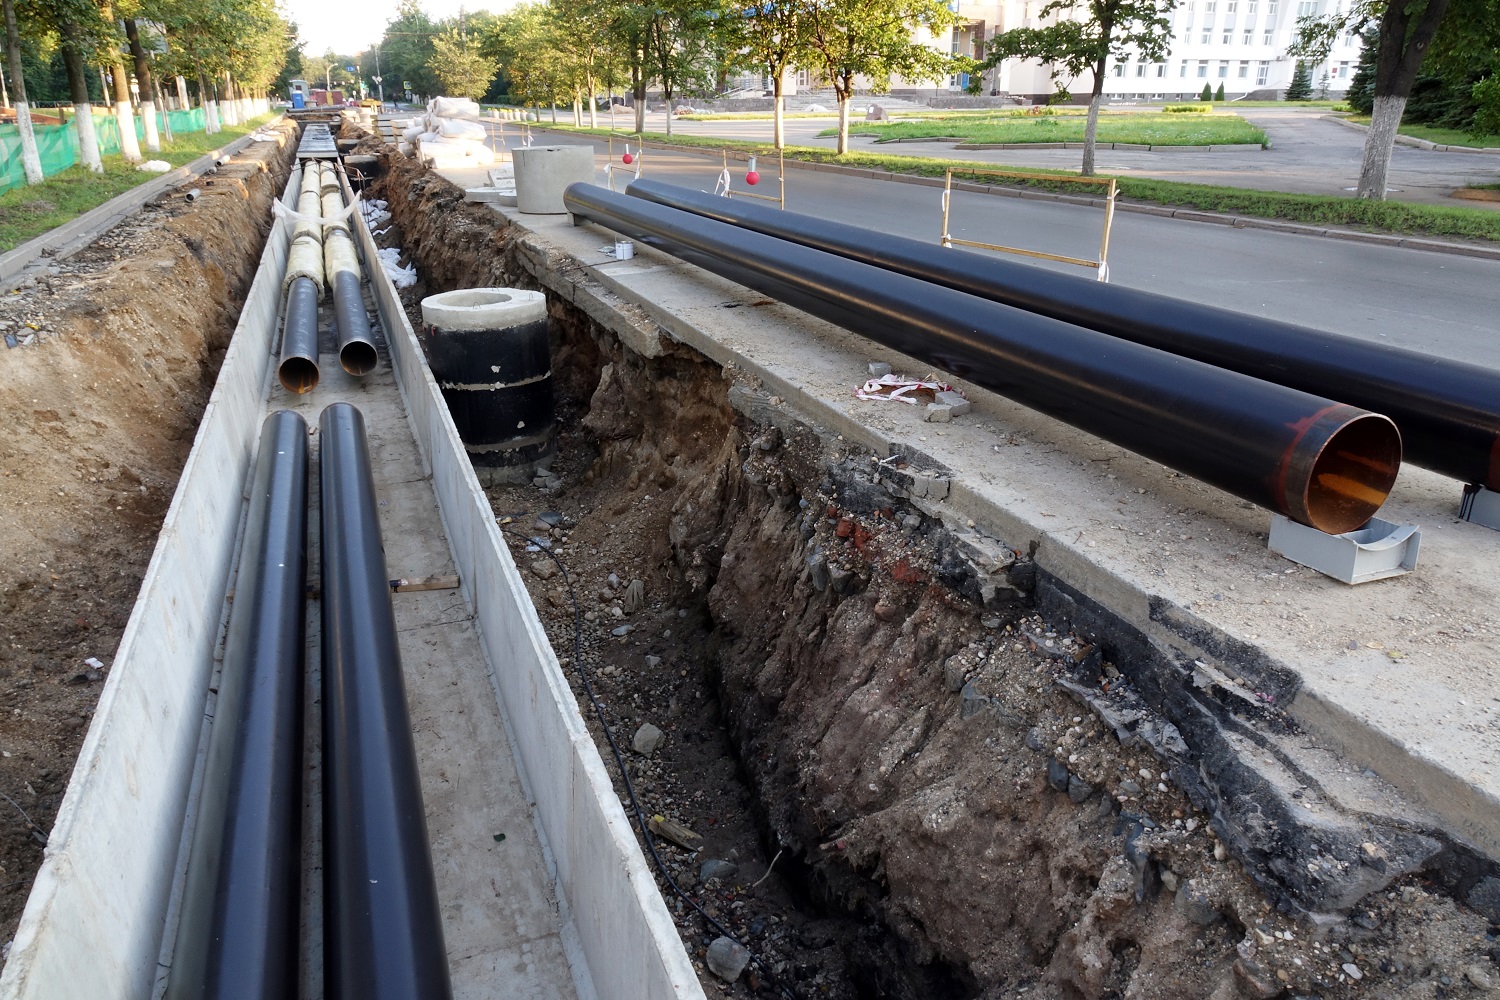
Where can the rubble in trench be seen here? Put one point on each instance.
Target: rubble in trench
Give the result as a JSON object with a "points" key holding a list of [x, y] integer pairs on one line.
{"points": [[962, 795]]}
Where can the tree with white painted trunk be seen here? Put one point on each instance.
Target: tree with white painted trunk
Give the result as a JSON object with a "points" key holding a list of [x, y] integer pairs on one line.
{"points": [[144, 80], [1086, 36], [875, 40], [77, 49], [774, 36], [31, 160], [678, 40], [1445, 35]]}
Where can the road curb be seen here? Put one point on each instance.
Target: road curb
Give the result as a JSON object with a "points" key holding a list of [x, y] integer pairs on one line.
{"points": [[1184, 214], [72, 236], [1414, 142]]}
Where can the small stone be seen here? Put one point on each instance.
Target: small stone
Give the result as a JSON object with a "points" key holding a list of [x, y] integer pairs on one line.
{"points": [[1195, 905], [1221, 853], [971, 703], [1034, 740], [614, 582], [1057, 774], [879, 369], [1253, 980], [937, 413], [717, 869], [1128, 787], [911, 522], [616, 612], [1352, 971], [1281, 975], [653, 661], [955, 402], [727, 958], [622, 630], [1169, 879], [648, 739], [635, 596], [545, 569], [953, 676], [550, 518], [1480, 979], [1078, 789]]}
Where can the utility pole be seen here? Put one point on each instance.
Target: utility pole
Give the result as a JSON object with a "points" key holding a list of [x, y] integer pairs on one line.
{"points": [[379, 90]]}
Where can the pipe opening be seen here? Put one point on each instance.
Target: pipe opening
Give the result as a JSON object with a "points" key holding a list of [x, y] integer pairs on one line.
{"points": [[1353, 474], [473, 298], [299, 375], [358, 357]]}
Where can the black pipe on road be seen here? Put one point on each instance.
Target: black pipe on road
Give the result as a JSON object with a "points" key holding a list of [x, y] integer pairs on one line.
{"points": [[239, 931], [298, 370], [1448, 411], [382, 931], [357, 352], [1319, 462]]}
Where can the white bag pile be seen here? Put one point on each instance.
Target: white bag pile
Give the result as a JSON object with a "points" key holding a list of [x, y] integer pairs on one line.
{"points": [[450, 136]]}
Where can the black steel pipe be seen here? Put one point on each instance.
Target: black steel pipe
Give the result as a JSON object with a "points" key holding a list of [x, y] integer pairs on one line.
{"points": [[298, 370], [1448, 411], [1319, 462], [356, 345], [382, 931], [240, 924]]}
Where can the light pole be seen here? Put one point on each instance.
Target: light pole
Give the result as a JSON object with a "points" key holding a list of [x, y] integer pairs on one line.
{"points": [[379, 90]]}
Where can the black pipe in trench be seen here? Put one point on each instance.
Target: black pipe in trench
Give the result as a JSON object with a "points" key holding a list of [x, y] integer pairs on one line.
{"points": [[1317, 461], [1448, 411], [298, 368], [382, 931], [238, 933]]}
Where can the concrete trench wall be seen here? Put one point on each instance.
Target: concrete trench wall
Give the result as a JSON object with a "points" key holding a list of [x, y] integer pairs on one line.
{"points": [[899, 767]]}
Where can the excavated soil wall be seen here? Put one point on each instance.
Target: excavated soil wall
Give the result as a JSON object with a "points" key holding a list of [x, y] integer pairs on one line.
{"points": [[955, 787], [119, 348]]}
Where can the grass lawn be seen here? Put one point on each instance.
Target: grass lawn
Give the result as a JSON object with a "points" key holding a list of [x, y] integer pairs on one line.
{"points": [[1139, 128], [1399, 217], [1330, 105], [30, 210], [1442, 136]]}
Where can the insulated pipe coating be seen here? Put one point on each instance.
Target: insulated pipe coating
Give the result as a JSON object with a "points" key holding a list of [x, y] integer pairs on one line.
{"points": [[382, 931], [357, 352], [1448, 411], [238, 935], [1319, 462], [298, 370]]}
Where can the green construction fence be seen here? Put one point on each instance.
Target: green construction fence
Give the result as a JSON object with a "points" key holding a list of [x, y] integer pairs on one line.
{"points": [[58, 144]]}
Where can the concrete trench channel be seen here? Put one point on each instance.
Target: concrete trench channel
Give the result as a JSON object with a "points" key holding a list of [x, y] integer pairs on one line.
{"points": [[932, 768]]}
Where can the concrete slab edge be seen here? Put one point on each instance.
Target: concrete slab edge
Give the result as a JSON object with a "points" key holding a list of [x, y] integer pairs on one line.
{"points": [[1184, 214], [83, 934], [92, 224], [621, 932]]}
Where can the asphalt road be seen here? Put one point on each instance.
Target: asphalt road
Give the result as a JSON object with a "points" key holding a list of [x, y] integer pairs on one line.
{"points": [[1444, 304]]}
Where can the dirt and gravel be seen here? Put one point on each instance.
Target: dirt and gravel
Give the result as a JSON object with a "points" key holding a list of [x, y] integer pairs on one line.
{"points": [[117, 350], [951, 800]]}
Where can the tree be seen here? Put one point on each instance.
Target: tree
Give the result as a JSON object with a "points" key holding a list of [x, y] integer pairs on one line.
{"points": [[1300, 89], [1208, 93], [773, 34], [874, 39], [144, 80], [678, 35], [581, 32], [628, 25], [80, 30], [406, 50], [31, 159], [1085, 36], [1219, 94], [460, 65], [1361, 92]]}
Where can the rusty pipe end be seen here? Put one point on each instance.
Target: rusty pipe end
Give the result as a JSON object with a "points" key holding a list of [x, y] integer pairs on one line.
{"points": [[298, 374], [1340, 469], [358, 357]]}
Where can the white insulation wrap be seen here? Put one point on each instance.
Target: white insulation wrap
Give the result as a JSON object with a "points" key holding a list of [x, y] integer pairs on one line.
{"points": [[453, 107], [305, 257], [458, 128], [335, 218], [338, 254]]}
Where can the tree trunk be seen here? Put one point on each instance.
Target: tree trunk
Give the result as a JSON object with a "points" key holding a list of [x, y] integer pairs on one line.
{"points": [[210, 106], [1380, 142], [226, 103], [778, 110], [593, 104], [183, 104], [844, 94], [144, 80], [31, 160], [83, 109], [577, 110], [669, 117], [4, 91], [1091, 129]]}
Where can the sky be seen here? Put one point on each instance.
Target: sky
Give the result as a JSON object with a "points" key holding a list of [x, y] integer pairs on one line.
{"points": [[348, 28]]}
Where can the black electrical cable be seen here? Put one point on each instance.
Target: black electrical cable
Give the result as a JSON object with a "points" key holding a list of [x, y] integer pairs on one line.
{"points": [[635, 802]]}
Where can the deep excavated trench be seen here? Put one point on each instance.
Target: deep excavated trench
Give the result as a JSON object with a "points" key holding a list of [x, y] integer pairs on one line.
{"points": [[959, 791]]}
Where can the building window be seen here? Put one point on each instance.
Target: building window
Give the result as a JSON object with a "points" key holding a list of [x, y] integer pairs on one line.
{"points": [[1231, 6], [1269, 35], [1271, 7], [1140, 69], [1161, 69], [1307, 8], [1202, 68], [1184, 68], [1207, 34], [1262, 73], [1228, 33], [1343, 71], [1210, 6], [1250, 7], [1244, 69], [1223, 68], [1248, 36], [1119, 69]]}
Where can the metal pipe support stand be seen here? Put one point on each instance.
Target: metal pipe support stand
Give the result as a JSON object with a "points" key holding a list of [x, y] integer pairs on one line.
{"points": [[1480, 506], [1379, 550]]}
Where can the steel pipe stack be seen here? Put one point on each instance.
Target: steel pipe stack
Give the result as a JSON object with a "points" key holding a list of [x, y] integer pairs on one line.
{"points": [[382, 932], [1319, 462], [1448, 411], [238, 934]]}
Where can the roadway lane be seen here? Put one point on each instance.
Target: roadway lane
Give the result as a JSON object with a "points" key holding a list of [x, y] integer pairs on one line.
{"points": [[1440, 303]]}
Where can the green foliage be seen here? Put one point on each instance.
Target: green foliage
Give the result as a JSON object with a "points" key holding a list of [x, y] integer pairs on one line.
{"points": [[1361, 92], [1300, 89], [1087, 34], [406, 51], [1486, 95], [1135, 128], [460, 65], [873, 38], [1219, 94], [1186, 109], [1208, 93]]}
